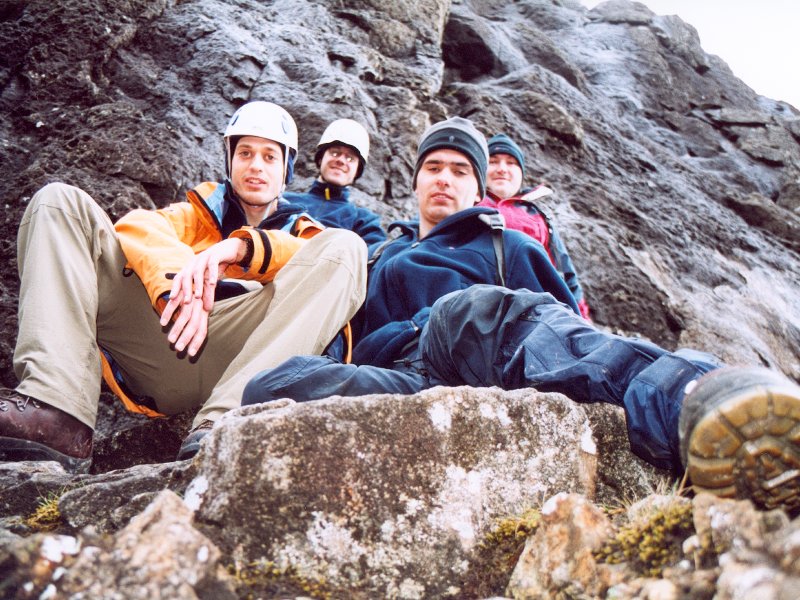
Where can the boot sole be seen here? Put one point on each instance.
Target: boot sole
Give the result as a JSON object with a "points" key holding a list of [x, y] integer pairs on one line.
{"points": [[748, 444], [16, 450]]}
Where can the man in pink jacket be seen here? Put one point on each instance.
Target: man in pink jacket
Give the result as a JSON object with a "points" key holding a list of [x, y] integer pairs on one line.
{"points": [[518, 207]]}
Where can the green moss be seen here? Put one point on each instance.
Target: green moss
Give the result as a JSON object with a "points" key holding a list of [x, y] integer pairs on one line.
{"points": [[264, 579], [652, 545], [492, 564]]}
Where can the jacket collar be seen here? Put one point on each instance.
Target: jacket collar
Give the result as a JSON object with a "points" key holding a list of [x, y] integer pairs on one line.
{"points": [[328, 191], [526, 194], [454, 221]]}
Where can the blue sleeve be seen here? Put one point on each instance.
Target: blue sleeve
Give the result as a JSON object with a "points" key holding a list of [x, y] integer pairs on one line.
{"points": [[368, 226], [529, 267], [564, 264]]}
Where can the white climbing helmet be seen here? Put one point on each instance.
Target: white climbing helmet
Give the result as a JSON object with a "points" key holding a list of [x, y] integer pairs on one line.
{"points": [[268, 121], [345, 132]]}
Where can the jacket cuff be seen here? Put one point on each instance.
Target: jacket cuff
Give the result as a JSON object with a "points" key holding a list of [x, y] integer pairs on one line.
{"points": [[262, 250]]}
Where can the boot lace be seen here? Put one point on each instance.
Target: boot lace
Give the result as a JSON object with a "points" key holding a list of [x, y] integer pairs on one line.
{"points": [[21, 402]]}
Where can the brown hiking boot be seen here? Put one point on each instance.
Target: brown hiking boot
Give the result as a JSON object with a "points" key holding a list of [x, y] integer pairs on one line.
{"points": [[191, 445], [33, 430], [740, 436]]}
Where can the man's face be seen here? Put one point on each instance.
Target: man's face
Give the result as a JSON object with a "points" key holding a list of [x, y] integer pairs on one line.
{"points": [[257, 170], [339, 165], [504, 175], [446, 184]]}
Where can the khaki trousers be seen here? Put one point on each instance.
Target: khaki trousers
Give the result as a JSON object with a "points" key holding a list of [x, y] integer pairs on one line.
{"points": [[76, 294]]}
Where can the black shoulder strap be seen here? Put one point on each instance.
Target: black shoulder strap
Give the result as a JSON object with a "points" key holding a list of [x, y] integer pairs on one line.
{"points": [[394, 234], [497, 224]]}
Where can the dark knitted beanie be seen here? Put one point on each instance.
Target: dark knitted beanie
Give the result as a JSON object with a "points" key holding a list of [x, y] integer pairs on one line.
{"points": [[502, 144], [459, 134]]}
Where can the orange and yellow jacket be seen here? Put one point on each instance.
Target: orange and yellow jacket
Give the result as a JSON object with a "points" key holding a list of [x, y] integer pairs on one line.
{"points": [[158, 242]]}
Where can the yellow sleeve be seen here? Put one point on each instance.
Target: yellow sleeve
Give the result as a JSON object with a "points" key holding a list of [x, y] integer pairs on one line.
{"points": [[157, 242]]}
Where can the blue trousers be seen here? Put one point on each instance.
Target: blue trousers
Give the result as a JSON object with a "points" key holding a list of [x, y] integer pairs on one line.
{"points": [[492, 336]]}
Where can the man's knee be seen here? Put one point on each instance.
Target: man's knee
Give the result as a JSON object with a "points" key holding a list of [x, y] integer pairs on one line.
{"points": [[488, 300], [294, 378], [67, 198], [349, 252], [342, 244], [60, 193]]}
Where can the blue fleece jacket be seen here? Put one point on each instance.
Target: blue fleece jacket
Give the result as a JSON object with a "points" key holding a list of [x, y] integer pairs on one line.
{"points": [[411, 274], [329, 204]]}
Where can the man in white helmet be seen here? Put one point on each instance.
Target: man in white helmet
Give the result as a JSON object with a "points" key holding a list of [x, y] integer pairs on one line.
{"points": [[341, 156], [150, 298]]}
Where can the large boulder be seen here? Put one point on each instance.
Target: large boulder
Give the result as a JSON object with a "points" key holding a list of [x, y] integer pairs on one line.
{"points": [[382, 495]]}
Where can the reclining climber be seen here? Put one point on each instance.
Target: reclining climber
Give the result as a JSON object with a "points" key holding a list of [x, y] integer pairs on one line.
{"points": [[341, 156], [150, 295], [435, 315], [518, 206]]}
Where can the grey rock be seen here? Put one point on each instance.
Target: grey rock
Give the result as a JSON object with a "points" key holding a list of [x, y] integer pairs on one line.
{"points": [[621, 476], [24, 485], [763, 213], [789, 196], [622, 12], [771, 145], [384, 493], [157, 555], [108, 501], [736, 116], [123, 439], [682, 39], [474, 47]]}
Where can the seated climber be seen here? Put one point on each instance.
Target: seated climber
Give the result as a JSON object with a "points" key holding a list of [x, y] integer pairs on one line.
{"points": [[434, 315], [341, 156], [144, 295], [518, 206]]}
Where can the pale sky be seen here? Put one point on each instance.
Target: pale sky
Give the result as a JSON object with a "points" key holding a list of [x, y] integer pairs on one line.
{"points": [[757, 38]]}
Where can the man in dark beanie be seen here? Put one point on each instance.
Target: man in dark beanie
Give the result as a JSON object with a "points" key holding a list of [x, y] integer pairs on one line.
{"points": [[452, 245], [518, 206], [456, 300]]}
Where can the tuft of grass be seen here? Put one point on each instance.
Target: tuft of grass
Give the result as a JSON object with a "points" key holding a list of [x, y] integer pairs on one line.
{"points": [[46, 517]]}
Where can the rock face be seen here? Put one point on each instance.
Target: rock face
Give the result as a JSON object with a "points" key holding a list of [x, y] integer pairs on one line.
{"points": [[677, 194], [675, 182]]}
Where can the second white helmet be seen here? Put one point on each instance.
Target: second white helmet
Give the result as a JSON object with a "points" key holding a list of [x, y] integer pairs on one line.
{"points": [[345, 132], [265, 120]]}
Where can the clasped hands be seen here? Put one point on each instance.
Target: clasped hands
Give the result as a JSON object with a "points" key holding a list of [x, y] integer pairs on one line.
{"points": [[192, 295]]}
